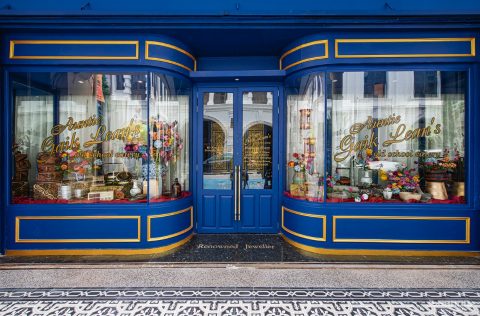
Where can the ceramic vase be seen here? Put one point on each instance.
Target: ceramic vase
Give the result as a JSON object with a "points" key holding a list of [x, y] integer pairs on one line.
{"points": [[366, 180], [298, 177], [65, 192], [135, 190], [387, 194]]}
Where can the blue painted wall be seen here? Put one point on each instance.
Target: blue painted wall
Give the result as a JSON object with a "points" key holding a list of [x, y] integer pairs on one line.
{"points": [[243, 7], [245, 38]]}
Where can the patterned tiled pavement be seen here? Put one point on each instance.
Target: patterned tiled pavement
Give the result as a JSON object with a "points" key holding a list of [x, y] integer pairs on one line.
{"points": [[240, 301], [258, 275]]}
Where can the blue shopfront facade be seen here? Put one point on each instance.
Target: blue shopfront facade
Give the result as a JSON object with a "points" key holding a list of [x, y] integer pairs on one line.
{"points": [[345, 131]]}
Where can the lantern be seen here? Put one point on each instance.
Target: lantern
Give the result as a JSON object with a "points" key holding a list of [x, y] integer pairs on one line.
{"points": [[309, 147], [305, 118]]}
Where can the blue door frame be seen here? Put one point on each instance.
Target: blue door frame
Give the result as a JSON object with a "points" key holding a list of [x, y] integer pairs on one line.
{"points": [[215, 208]]}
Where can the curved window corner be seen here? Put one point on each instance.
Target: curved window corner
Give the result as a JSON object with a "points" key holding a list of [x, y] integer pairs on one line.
{"points": [[305, 138], [83, 137], [396, 137], [168, 166]]}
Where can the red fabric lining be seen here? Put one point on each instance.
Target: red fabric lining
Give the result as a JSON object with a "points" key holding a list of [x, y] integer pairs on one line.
{"points": [[375, 200], [23, 200]]}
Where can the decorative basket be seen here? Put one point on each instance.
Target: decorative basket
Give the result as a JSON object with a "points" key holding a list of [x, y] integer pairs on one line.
{"points": [[56, 176], [46, 191], [20, 189], [437, 175]]}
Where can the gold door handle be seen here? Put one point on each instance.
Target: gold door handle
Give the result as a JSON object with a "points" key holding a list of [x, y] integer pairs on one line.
{"points": [[239, 193], [235, 194]]}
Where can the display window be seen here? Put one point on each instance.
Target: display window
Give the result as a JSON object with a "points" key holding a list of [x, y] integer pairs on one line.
{"points": [[83, 137], [305, 137], [168, 169], [392, 137]]}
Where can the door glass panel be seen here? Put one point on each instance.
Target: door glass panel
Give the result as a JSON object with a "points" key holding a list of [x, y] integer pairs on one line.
{"points": [[257, 140], [218, 141]]}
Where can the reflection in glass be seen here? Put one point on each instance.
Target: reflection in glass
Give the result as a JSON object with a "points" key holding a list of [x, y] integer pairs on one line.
{"points": [[169, 122], [305, 126], [82, 142], [397, 136], [257, 140], [218, 141], [83, 137]]}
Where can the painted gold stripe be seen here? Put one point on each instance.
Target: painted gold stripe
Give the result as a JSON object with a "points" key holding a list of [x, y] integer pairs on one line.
{"points": [[73, 42], [170, 62], [97, 252], [155, 43], [319, 42], [406, 241], [304, 61], [324, 222], [149, 223], [404, 40], [378, 252], [73, 240]]}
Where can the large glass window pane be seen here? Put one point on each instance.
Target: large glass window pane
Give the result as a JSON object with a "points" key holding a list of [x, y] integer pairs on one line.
{"points": [[257, 140], [396, 136], [168, 167], [218, 141], [79, 137], [305, 137]]}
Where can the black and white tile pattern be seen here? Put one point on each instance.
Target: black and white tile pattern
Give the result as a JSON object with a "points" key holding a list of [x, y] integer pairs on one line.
{"points": [[239, 301]]}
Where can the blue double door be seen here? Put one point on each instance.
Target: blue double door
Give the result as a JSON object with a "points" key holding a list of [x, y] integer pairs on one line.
{"points": [[236, 136]]}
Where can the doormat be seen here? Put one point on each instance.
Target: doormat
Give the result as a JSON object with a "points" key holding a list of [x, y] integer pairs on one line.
{"points": [[242, 248]]}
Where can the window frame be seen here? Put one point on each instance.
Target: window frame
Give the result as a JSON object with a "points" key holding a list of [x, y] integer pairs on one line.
{"points": [[9, 131], [471, 113]]}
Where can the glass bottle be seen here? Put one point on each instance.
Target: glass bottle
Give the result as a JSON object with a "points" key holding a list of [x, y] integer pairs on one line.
{"points": [[176, 189]]}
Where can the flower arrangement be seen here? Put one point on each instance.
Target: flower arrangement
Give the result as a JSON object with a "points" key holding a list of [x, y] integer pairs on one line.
{"points": [[331, 182], [76, 163], [403, 180], [167, 141], [298, 163], [139, 149], [446, 163], [370, 156]]}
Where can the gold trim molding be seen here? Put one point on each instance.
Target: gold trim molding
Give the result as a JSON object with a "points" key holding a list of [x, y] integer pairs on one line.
{"points": [[405, 40], [378, 252], [81, 240], [324, 226], [97, 252], [155, 43], [403, 241], [73, 42], [183, 231], [319, 42]]}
